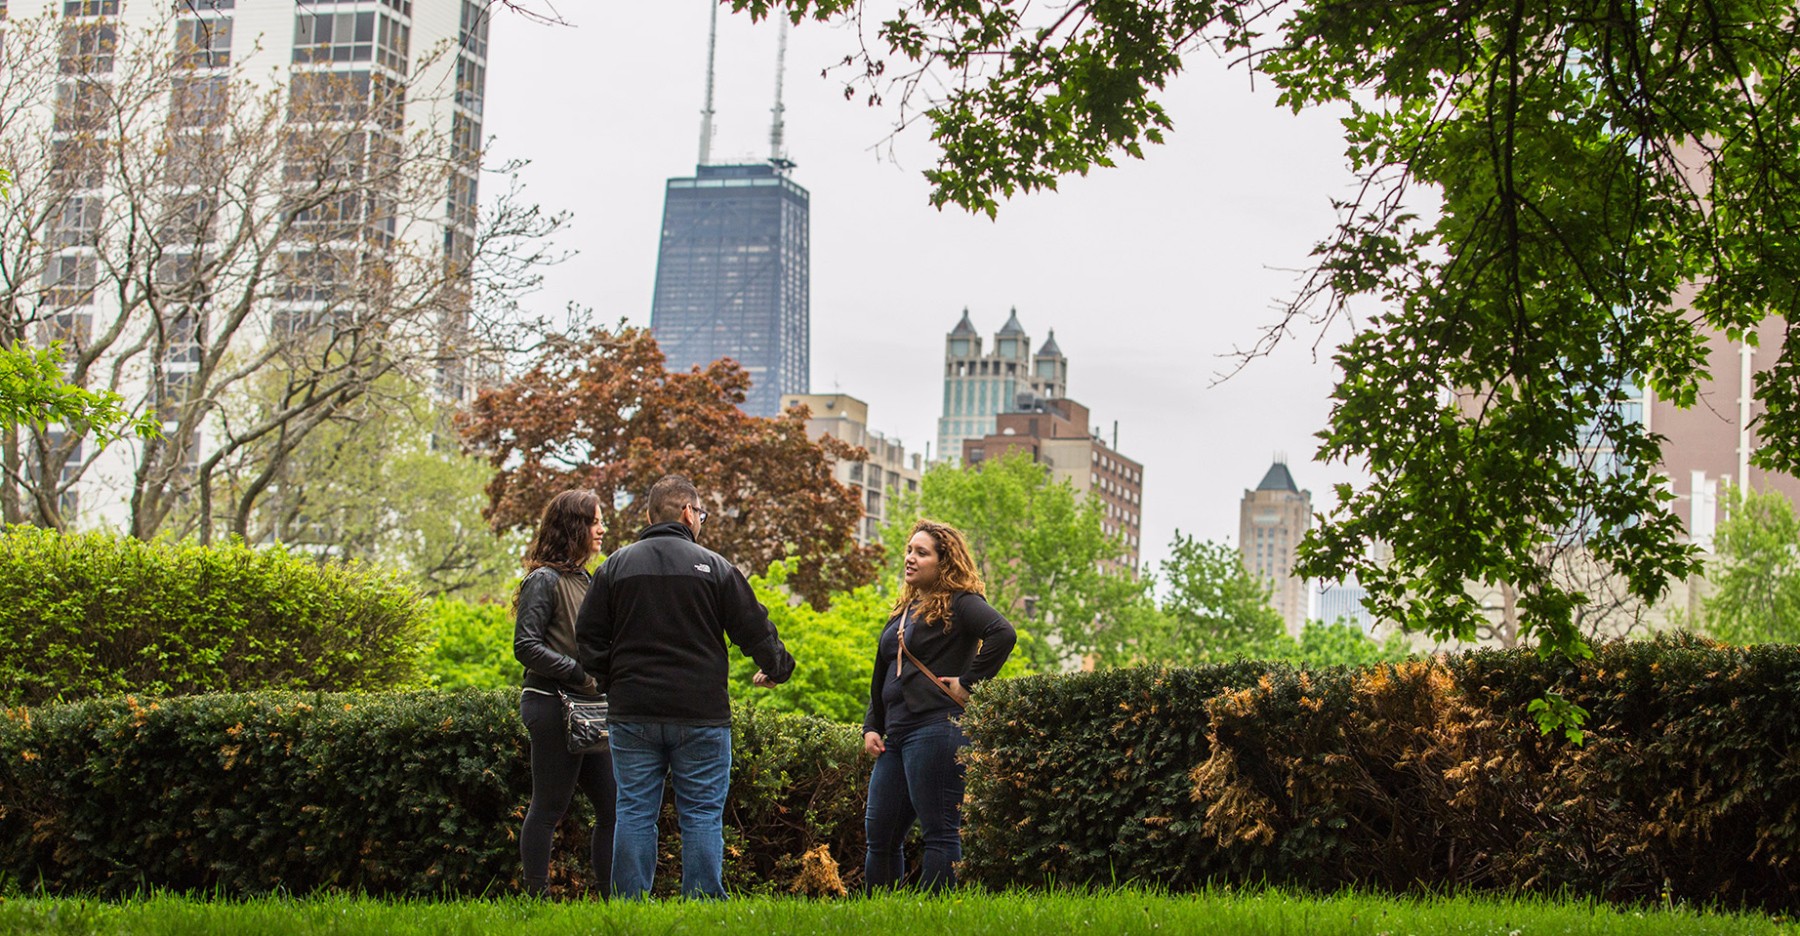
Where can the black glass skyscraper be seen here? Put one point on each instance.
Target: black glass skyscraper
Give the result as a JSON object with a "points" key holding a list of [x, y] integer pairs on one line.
{"points": [[732, 278]]}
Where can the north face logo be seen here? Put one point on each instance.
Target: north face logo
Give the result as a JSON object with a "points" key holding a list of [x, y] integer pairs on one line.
{"points": [[702, 567]]}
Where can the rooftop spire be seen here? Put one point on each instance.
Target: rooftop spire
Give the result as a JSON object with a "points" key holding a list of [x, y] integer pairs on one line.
{"points": [[706, 113], [776, 155]]}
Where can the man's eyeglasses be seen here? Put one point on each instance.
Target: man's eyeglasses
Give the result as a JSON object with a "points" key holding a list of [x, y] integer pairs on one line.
{"points": [[698, 512]]}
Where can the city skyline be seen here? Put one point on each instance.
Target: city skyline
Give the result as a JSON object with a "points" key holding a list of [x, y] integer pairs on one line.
{"points": [[1150, 274]]}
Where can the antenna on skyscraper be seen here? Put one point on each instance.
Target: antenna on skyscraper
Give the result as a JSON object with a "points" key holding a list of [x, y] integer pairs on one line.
{"points": [[776, 156], [706, 114]]}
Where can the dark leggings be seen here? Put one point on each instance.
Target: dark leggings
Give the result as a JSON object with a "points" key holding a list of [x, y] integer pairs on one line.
{"points": [[555, 773]]}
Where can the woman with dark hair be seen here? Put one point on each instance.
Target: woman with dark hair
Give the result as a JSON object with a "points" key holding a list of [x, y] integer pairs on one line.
{"points": [[545, 606], [942, 640]]}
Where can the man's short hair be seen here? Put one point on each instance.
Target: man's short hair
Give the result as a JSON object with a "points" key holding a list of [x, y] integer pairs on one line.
{"points": [[668, 496]]}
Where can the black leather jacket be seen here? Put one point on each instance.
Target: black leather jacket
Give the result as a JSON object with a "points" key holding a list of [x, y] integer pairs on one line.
{"points": [[543, 635]]}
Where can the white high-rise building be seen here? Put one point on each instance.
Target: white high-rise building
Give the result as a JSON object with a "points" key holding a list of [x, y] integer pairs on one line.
{"points": [[234, 189]]}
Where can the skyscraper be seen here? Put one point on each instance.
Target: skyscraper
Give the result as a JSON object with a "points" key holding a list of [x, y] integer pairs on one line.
{"points": [[732, 277], [978, 387], [732, 274], [1271, 520]]}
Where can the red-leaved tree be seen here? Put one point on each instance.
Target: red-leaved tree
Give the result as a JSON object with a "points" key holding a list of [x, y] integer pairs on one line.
{"points": [[596, 409]]}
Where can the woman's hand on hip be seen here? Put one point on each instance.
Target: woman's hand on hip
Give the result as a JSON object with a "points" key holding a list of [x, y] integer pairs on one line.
{"points": [[872, 743], [953, 685]]}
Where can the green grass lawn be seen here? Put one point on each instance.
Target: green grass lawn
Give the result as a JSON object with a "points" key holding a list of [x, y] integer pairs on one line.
{"points": [[1124, 911]]}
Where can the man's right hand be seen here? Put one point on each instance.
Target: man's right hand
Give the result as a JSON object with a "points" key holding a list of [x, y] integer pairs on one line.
{"points": [[872, 743]]}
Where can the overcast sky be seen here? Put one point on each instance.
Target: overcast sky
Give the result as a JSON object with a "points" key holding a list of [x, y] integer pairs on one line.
{"points": [[1151, 273]]}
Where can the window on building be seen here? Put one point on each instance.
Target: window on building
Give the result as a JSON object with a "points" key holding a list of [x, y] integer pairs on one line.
{"points": [[80, 107], [465, 139], [471, 83], [473, 33], [346, 37], [203, 42], [187, 220], [69, 280], [331, 96], [198, 101], [183, 337], [77, 224], [462, 200], [88, 48], [316, 275], [75, 163], [90, 7]]}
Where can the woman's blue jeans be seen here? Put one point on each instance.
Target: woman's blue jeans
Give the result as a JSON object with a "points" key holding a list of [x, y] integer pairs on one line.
{"points": [[917, 777]]}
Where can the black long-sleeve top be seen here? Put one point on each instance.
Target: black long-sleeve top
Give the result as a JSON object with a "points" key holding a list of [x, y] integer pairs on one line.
{"points": [[653, 629], [972, 648]]}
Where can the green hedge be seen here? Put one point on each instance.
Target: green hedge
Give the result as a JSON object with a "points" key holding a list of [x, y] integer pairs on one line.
{"points": [[1083, 779], [93, 614], [404, 793], [1415, 776]]}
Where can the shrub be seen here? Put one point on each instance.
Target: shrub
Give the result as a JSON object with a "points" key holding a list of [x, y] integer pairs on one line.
{"points": [[469, 646], [1434, 775], [402, 793], [94, 614], [1424, 775], [1083, 778]]}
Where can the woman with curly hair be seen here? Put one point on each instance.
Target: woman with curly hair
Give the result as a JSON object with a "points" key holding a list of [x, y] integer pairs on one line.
{"points": [[545, 606], [941, 642]]}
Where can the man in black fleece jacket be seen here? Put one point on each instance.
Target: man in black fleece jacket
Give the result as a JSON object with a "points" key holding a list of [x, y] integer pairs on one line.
{"points": [[652, 633]]}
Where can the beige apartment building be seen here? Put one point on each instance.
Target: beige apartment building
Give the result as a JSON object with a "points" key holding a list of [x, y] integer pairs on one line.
{"points": [[887, 476], [1057, 434]]}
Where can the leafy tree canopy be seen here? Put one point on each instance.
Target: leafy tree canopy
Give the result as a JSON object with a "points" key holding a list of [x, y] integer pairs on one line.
{"points": [[834, 649], [595, 409], [34, 393], [1214, 611], [1561, 200], [384, 481], [1756, 575]]}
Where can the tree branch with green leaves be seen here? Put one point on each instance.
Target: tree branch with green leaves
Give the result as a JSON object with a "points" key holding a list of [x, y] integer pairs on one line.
{"points": [[1562, 201]]}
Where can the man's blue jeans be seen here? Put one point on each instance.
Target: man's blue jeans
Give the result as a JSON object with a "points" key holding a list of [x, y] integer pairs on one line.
{"points": [[918, 777], [698, 760]]}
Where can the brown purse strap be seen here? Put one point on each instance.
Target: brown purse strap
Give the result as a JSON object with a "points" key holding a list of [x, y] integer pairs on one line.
{"points": [[920, 663]]}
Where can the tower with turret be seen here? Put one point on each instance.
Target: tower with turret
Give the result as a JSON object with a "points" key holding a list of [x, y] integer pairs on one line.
{"points": [[979, 386]]}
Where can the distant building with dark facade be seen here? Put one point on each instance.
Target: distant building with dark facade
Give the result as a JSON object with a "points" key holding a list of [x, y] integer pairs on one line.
{"points": [[1056, 433], [732, 277]]}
